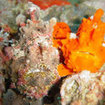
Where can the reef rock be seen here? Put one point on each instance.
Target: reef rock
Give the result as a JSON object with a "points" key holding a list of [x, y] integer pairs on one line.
{"points": [[84, 88]]}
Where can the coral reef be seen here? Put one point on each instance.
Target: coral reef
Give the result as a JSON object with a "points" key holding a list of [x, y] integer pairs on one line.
{"points": [[4, 38], [11, 98], [9, 9], [96, 3], [40, 43], [70, 14], [2, 86]]}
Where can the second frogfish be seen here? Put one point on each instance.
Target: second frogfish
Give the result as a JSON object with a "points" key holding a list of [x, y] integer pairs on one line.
{"points": [[84, 50]]}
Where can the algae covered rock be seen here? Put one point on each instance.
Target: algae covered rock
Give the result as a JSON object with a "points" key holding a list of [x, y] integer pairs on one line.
{"points": [[84, 88], [12, 98], [2, 86], [8, 12]]}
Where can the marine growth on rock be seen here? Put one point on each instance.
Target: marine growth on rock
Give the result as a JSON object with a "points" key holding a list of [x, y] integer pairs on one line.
{"points": [[36, 51]]}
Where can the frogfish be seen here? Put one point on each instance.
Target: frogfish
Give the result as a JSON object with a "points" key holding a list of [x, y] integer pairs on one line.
{"points": [[84, 50]]}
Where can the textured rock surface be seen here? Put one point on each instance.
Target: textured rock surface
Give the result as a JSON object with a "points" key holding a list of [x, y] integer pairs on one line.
{"points": [[11, 98], [28, 61], [8, 11], [84, 88], [2, 86]]}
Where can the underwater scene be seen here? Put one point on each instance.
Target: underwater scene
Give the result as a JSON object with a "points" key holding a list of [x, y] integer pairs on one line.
{"points": [[52, 52]]}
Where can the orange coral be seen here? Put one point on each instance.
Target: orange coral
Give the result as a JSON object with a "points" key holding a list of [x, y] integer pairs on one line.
{"points": [[85, 52], [44, 4]]}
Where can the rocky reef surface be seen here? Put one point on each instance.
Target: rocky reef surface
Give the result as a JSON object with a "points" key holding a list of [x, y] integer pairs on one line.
{"points": [[84, 88], [29, 61]]}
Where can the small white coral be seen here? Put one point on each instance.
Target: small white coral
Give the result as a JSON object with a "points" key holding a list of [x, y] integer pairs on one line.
{"points": [[73, 36]]}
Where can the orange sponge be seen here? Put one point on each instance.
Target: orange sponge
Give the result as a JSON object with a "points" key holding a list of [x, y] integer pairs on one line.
{"points": [[44, 4]]}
